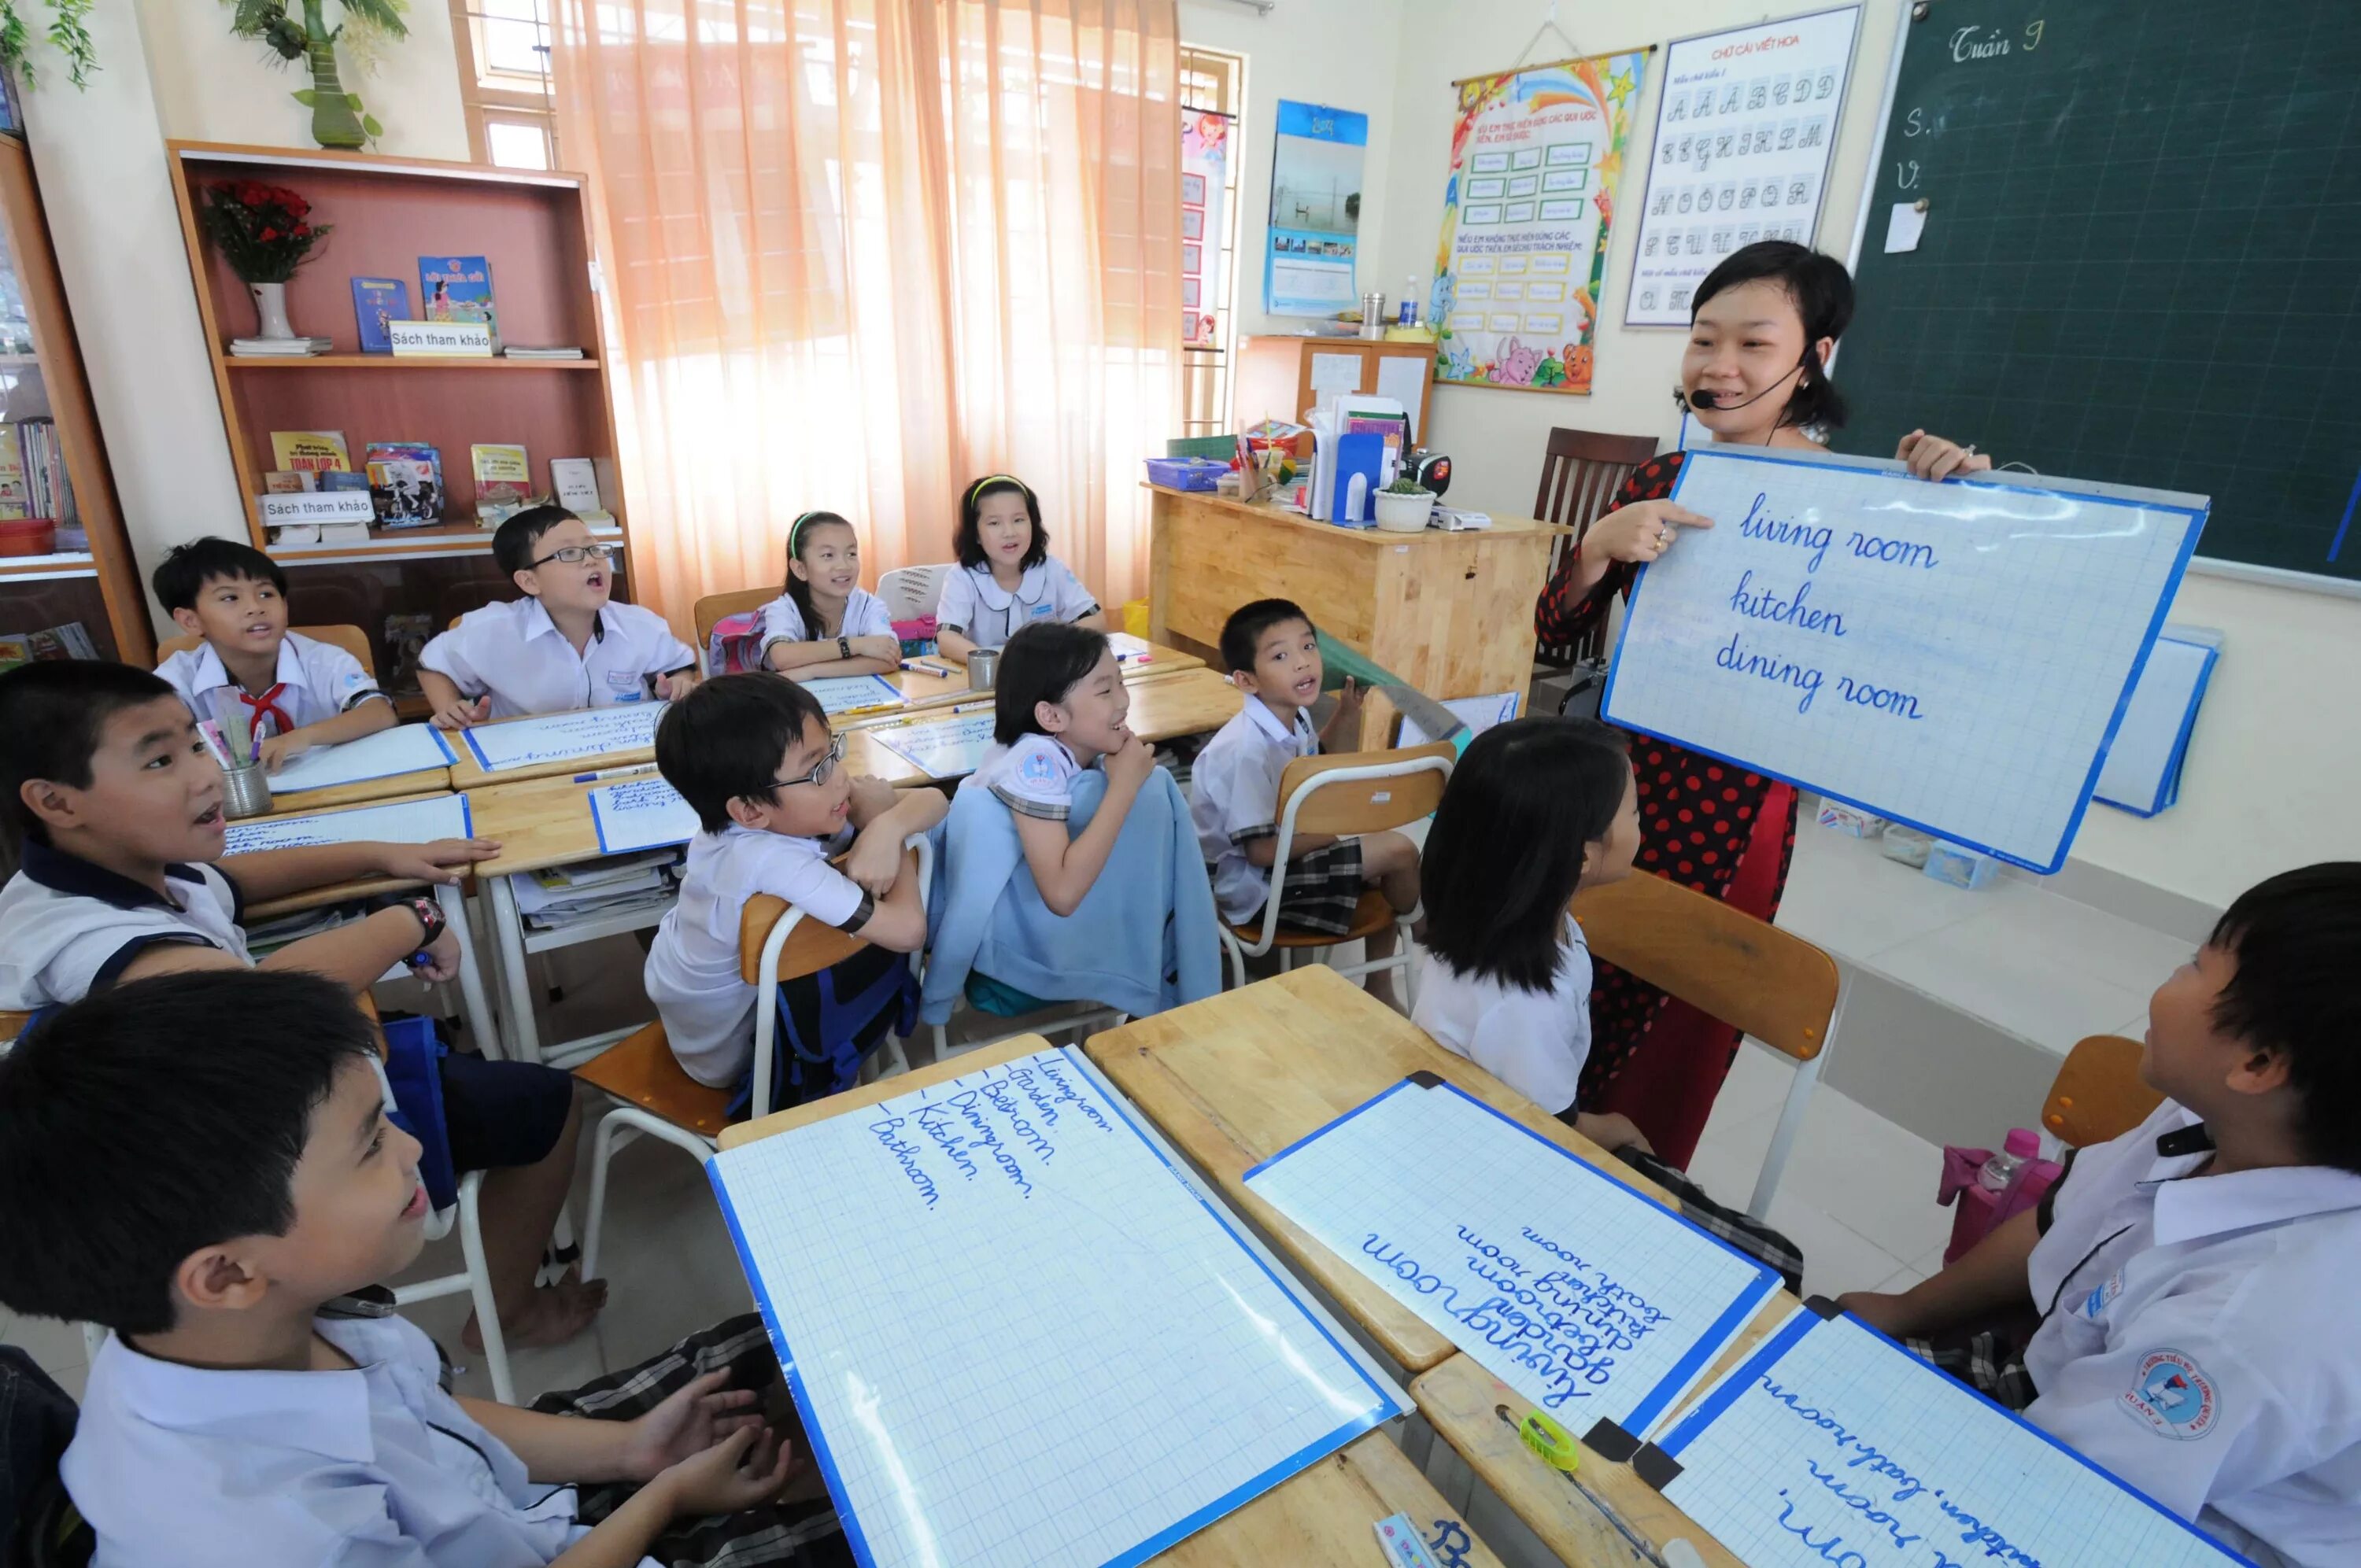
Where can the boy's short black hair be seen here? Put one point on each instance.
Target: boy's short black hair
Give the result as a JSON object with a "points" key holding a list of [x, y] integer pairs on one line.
{"points": [[1041, 664], [2297, 992], [184, 573], [153, 1119], [513, 542], [724, 742], [51, 713], [1243, 632], [1822, 290], [970, 538]]}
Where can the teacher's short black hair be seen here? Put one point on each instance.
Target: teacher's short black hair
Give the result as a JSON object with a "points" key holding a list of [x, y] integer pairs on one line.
{"points": [[1822, 290], [724, 740], [1042, 663], [155, 1118], [2297, 992], [1525, 801], [969, 538]]}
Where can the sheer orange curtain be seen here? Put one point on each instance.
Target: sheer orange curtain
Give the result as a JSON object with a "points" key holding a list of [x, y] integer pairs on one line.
{"points": [[856, 252]]}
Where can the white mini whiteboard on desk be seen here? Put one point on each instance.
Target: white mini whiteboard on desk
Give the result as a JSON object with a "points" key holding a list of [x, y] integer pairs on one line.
{"points": [[404, 749], [392, 822], [1832, 1444], [1953, 656], [563, 737], [1018, 1336]]}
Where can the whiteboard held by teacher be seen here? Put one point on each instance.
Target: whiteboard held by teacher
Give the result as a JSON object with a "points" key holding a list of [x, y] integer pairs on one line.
{"points": [[1955, 655]]}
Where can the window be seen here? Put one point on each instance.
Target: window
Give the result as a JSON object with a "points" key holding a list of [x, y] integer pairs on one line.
{"points": [[1211, 85], [504, 80]]}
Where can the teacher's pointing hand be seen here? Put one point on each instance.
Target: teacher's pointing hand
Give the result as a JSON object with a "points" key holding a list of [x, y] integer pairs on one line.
{"points": [[1641, 532]]}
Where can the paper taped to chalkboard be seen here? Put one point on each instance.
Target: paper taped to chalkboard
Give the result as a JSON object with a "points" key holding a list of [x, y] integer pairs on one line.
{"points": [[1955, 656]]}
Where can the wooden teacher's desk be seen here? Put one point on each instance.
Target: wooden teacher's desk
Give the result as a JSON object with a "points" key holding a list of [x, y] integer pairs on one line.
{"points": [[1451, 614], [1320, 1518]]}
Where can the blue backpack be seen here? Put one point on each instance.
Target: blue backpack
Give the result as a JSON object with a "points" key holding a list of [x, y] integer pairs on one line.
{"points": [[828, 1023]]}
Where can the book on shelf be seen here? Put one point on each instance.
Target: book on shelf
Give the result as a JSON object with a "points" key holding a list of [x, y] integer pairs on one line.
{"points": [[503, 482], [405, 480], [574, 484], [70, 641], [343, 481], [551, 351], [15, 494], [49, 490], [458, 289], [289, 482], [315, 451], [377, 302]]}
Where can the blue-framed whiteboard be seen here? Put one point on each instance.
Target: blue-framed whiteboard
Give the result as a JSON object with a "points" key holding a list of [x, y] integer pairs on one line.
{"points": [[1956, 656]]}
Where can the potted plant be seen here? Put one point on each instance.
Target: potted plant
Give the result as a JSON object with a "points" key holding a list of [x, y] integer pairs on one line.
{"points": [[363, 28], [1404, 506], [264, 232]]}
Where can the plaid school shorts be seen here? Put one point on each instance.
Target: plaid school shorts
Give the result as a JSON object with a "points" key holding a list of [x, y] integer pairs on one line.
{"points": [[1320, 891]]}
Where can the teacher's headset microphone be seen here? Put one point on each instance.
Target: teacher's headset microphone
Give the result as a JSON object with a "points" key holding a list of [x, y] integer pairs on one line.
{"points": [[1694, 402]]}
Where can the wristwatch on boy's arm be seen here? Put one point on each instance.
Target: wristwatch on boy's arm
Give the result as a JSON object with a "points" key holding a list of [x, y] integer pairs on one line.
{"points": [[430, 924]]}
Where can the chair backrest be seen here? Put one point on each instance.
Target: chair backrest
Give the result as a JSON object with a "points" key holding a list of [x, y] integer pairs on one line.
{"points": [[2098, 1093], [1378, 789], [12, 1026], [351, 638], [1581, 471], [1747, 973], [911, 592], [710, 609], [811, 947]]}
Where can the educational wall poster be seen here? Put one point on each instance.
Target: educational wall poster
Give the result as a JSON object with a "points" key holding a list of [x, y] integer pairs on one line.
{"points": [[1205, 158], [1745, 128], [1315, 211], [1956, 657], [1535, 154]]}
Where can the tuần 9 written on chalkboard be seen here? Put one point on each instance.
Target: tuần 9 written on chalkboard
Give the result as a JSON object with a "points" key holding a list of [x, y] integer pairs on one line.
{"points": [[1954, 656]]}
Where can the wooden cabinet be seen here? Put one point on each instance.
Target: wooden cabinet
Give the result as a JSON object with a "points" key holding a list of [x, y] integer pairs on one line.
{"points": [[1277, 375]]}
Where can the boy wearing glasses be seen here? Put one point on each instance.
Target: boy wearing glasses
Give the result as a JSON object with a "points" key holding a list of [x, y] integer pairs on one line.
{"points": [[753, 756], [563, 645]]}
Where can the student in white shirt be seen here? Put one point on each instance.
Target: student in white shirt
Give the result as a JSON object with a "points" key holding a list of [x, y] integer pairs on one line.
{"points": [[825, 622], [1274, 657], [302, 693], [753, 756], [249, 1183], [1006, 576], [562, 646], [2195, 1279], [1536, 809]]}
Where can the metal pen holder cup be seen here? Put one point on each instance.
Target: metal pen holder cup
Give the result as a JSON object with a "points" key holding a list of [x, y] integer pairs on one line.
{"points": [[982, 669], [246, 792]]}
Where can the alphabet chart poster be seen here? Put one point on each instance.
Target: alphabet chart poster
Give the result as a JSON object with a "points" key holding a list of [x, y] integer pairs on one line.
{"points": [[1745, 128], [1954, 656], [1536, 155], [1593, 1301], [1018, 1337], [1832, 1445]]}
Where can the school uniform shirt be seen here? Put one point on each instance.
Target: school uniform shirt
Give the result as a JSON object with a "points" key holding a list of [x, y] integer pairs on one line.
{"points": [[692, 968], [69, 926], [314, 682], [988, 615], [2202, 1348], [1234, 798], [1533, 1041], [517, 654], [1034, 776], [209, 1468], [864, 616]]}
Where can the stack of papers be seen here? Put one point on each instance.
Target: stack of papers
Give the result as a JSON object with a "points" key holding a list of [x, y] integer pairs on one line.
{"points": [[278, 347], [560, 896], [519, 351]]}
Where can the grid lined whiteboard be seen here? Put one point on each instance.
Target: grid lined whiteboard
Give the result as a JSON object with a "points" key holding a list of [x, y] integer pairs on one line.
{"points": [[1833, 1444], [392, 822], [1953, 656], [1016, 1336], [1587, 1299], [563, 737]]}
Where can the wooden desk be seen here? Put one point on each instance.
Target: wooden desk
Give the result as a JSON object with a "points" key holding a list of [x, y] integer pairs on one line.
{"points": [[1318, 1517], [1451, 614], [360, 791]]}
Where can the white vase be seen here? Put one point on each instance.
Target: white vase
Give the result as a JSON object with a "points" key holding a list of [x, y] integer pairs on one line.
{"points": [[271, 310]]}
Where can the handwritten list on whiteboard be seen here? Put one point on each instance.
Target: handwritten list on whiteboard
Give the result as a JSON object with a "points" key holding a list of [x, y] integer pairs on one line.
{"points": [[404, 749], [641, 814], [1103, 1368], [565, 737], [395, 822]]}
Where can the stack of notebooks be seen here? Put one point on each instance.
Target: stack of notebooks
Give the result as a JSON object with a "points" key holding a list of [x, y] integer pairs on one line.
{"points": [[278, 347], [519, 351], [560, 896]]}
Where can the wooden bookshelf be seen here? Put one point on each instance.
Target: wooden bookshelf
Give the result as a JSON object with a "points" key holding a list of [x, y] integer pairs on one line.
{"points": [[532, 227], [99, 586]]}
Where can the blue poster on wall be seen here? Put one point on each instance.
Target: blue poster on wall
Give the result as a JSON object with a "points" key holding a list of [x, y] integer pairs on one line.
{"points": [[1315, 209]]}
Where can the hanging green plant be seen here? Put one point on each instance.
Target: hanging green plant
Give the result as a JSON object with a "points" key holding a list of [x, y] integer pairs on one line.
{"points": [[364, 28], [69, 28]]}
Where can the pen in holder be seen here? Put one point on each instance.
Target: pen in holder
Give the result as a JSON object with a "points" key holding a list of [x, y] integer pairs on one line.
{"points": [[245, 787]]}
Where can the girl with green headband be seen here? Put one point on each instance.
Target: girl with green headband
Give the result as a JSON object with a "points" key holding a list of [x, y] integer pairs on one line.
{"points": [[1006, 576], [825, 622]]}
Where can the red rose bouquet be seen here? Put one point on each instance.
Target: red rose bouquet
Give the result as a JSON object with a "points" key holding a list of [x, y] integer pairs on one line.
{"points": [[264, 231]]}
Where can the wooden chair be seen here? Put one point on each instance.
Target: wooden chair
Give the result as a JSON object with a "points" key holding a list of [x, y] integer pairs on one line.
{"points": [[1353, 791], [1581, 471], [351, 638], [776, 943], [2098, 1093], [710, 609], [1747, 973]]}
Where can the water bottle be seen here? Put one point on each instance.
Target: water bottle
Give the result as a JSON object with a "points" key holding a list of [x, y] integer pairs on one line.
{"points": [[2001, 1172], [1409, 302]]}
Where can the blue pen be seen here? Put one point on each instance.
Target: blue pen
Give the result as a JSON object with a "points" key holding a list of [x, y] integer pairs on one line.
{"points": [[922, 667], [630, 772]]}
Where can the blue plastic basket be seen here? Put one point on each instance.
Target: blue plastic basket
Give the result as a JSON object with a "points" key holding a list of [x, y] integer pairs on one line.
{"points": [[1185, 473]]}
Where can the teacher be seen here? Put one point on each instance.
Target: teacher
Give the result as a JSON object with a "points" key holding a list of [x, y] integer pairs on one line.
{"points": [[1759, 335]]}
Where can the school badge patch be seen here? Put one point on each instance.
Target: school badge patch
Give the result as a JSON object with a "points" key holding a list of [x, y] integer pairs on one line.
{"points": [[2171, 1396]]}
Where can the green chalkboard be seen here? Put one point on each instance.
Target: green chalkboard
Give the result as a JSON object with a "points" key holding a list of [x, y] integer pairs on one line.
{"points": [[2142, 259]]}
